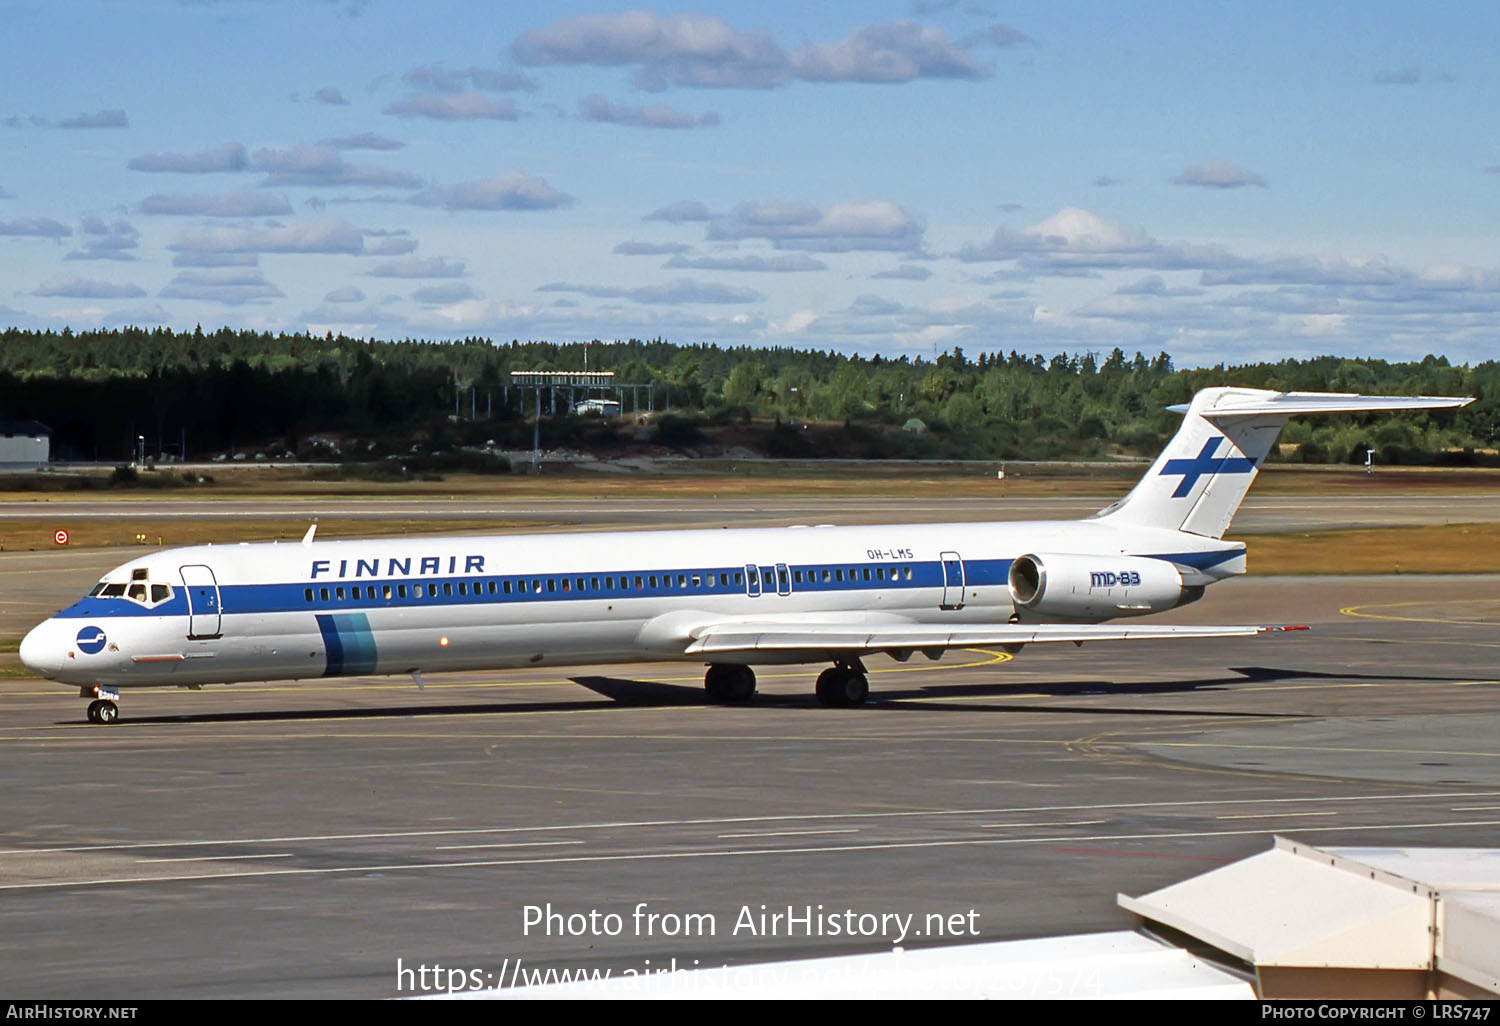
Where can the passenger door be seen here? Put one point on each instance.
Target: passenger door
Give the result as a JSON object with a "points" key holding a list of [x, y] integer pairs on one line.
{"points": [[953, 580], [204, 613]]}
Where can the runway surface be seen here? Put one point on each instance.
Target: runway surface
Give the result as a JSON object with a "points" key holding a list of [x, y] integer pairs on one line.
{"points": [[299, 840]]}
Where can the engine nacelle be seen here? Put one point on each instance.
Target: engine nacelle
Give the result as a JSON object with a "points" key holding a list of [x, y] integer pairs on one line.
{"points": [[1075, 587]]}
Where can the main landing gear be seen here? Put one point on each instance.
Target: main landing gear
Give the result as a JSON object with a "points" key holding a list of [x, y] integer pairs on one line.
{"points": [[844, 684], [105, 708], [729, 683]]}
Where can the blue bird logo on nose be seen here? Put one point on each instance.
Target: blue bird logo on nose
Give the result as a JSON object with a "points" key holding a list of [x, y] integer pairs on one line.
{"points": [[91, 640]]}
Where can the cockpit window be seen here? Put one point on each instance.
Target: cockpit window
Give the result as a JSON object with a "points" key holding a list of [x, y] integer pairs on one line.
{"points": [[138, 590]]}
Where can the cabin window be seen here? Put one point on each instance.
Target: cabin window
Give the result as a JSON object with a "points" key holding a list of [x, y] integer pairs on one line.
{"points": [[308, 592], [354, 593], [739, 577], [339, 594], [880, 573], [797, 576], [323, 594], [401, 591], [825, 573], [565, 584], [552, 584], [609, 584], [594, 583], [652, 579], [906, 573], [506, 585], [724, 580], [865, 572]]}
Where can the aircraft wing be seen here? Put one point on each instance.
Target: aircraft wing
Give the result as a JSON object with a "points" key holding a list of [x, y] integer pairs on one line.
{"points": [[743, 637]]}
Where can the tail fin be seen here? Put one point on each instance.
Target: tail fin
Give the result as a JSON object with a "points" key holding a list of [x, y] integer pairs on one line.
{"points": [[1199, 480]]}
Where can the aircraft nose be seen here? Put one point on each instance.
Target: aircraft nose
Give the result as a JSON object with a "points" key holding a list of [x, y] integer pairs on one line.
{"points": [[42, 650]]}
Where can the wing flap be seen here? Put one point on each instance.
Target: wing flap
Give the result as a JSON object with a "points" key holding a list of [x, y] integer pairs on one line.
{"points": [[815, 639]]}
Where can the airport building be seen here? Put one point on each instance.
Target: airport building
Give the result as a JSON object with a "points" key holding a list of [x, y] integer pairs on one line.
{"points": [[24, 444]]}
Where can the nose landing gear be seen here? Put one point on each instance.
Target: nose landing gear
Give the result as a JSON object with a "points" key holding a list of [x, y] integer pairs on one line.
{"points": [[105, 708]]}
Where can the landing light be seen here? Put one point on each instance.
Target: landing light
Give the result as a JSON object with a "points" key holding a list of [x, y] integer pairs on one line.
{"points": [[443, 641]]}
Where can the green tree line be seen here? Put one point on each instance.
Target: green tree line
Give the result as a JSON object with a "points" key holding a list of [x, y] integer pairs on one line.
{"points": [[99, 390]]}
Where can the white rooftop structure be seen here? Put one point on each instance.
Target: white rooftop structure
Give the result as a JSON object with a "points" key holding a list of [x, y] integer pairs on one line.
{"points": [[1408, 923]]}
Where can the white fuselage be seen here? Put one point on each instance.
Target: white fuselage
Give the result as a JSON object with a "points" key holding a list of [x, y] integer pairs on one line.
{"points": [[255, 612]]}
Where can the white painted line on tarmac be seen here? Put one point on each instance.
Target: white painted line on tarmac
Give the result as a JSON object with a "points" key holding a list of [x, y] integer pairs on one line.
{"points": [[731, 820], [794, 833], [216, 858], [732, 853], [516, 844]]}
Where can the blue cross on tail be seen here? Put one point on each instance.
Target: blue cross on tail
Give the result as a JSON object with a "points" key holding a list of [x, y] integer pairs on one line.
{"points": [[1205, 463]]}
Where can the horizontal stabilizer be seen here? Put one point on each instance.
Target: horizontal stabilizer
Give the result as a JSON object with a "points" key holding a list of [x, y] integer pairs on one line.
{"points": [[1296, 404], [819, 639]]}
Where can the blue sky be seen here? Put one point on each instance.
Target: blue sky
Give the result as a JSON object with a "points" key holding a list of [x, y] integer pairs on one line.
{"points": [[1224, 181]]}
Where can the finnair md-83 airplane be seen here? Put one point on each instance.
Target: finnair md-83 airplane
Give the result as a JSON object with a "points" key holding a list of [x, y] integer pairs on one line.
{"points": [[726, 598]]}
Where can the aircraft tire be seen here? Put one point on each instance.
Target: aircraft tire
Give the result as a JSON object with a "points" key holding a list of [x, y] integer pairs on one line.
{"points": [[729, 683], [842, 686], [103, 711]]}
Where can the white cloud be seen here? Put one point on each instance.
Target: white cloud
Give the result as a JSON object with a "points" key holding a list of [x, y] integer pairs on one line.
{"points": [[102, 119], [323, 235], [513, 191], [780, 262], [837, 229], [83, 288], [682, 290], [680, 212], [234, 204], [228, 157], [1218, 174], [231, 286], [703, 51], [468, 106], [417, 267], [597, 108]]}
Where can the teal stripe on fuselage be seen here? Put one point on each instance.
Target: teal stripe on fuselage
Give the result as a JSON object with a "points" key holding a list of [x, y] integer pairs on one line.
{"points": [[349, 644]]}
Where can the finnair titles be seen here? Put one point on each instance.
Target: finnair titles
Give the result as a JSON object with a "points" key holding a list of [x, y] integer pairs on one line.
{"points": [[730, 599]]}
